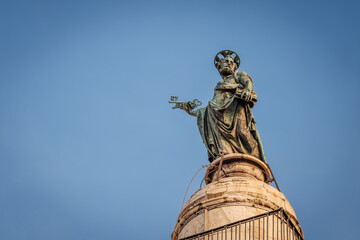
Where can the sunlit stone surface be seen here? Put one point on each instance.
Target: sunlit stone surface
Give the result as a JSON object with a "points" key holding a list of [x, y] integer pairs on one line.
{"points": [[232, 198]]}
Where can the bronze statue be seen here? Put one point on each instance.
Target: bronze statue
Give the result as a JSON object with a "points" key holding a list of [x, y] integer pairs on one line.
{"points": [[226, 124]]}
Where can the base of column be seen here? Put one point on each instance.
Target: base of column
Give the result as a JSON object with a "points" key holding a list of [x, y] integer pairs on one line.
{"points": [[242, 191]]}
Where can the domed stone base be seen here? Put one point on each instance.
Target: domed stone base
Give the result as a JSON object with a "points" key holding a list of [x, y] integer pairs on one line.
{"points": [[242, 191], [238, 165]]}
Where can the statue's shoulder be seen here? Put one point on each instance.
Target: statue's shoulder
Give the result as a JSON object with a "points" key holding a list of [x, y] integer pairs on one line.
{"points": [[241, 75]]}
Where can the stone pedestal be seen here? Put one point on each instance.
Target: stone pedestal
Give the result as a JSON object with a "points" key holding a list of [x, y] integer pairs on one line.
{"points": [[238, 191], [238, 165]]}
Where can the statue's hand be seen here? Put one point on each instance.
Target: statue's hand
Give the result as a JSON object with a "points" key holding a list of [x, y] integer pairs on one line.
{"points": [[244, 94], [188, 107], [184, 106]]}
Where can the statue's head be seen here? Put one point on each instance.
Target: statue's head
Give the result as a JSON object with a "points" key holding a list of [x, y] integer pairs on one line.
{"points": [[226, 62]]}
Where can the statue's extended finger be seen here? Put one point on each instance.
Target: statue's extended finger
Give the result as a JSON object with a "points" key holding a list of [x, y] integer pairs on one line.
{"points": [[246, 96], [242, 94]]}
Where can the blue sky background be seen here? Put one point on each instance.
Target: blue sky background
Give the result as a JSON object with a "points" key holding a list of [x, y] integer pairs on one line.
{"points": [[90, 148]]}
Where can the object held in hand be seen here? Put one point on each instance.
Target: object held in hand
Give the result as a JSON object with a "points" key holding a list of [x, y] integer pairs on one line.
{"points": [[184, 105]]}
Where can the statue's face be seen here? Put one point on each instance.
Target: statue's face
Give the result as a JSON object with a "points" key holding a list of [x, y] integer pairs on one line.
{"points": [[226, 66]]}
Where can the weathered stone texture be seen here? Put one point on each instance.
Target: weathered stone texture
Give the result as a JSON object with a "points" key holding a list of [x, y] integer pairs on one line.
{"points": [[228, 200]]}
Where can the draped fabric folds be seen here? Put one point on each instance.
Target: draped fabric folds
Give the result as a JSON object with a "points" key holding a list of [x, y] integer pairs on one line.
{"points": [[227, 124]]}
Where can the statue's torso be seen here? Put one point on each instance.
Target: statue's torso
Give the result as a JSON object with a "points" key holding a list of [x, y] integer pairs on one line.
{"points": [[224, 92], [226, 123]]}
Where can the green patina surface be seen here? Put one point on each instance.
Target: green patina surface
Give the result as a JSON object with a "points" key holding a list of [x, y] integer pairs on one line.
{"points": [[227, 124]]}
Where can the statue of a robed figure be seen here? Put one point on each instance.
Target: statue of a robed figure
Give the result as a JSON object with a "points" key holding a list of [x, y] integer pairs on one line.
{"points": [[227, 124]]}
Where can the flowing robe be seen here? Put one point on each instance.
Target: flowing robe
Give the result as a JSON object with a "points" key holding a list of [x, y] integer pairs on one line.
{"points": [[227, 124]]}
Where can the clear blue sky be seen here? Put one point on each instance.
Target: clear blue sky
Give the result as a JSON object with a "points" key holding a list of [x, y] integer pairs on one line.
{"points": [[90, 148]]}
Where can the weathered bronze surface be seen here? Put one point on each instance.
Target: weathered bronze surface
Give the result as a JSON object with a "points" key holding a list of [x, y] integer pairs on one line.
{"points": [[184, 105], [226, 124]]}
